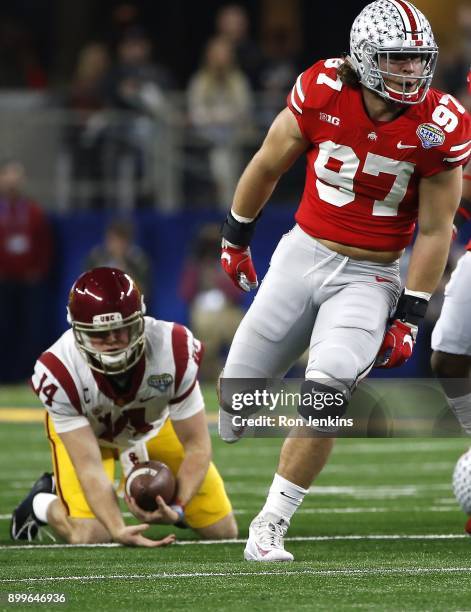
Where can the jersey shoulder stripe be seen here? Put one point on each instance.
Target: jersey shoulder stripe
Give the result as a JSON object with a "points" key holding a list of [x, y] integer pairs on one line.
{"points": [[181, 353], [63, 376], [177, 400]]}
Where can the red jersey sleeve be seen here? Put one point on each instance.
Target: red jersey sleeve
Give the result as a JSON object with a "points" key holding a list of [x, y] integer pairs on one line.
{"points": [[450, 123], [305, 96]]}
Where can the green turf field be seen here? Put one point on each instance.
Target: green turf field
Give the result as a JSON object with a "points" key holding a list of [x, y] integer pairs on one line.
{"points": [[380, 531]]}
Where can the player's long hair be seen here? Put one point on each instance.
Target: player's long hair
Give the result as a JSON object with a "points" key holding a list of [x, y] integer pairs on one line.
{"points": [[347, 74]]}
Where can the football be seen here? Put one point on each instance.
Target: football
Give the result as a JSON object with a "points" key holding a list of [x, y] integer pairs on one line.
{"points": [[149, 479], [462, 481]]}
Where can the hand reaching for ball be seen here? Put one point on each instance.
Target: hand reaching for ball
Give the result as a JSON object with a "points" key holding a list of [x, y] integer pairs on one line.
{"points": [[131, 535], [163, 515]]}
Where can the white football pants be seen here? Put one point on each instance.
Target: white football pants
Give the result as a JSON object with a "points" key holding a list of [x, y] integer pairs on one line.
{"points": [[452, 331], [313, 297]]}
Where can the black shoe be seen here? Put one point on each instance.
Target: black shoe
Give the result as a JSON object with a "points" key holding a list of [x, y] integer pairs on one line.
{"points": [[24, 524]]}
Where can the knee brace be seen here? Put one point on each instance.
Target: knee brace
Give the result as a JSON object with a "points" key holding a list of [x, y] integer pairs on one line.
{"points": [[322, 403]]}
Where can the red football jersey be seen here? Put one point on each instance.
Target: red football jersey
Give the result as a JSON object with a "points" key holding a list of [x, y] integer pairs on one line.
{"points": [[362, 176]]}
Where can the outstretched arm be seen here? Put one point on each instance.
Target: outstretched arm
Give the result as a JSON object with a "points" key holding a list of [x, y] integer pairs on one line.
{"points": [[283, 144]]}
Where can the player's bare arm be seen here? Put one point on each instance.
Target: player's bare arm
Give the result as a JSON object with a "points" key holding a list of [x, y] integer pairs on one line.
{"points": [[194, 436], [439, 198], [282, 146], [84, 452]]}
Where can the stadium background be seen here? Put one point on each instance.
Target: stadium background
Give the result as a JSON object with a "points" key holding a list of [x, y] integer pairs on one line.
{"points": [[34, 115]]}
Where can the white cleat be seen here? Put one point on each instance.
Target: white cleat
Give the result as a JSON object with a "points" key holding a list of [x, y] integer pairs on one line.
{"points": [[227, 430], [265, 541]]}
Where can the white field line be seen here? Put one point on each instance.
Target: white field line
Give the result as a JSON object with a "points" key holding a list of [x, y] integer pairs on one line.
{"points": [[341, 538], [363, 492], [451, 507], [446, 505], [358, 492], [378, 571]]}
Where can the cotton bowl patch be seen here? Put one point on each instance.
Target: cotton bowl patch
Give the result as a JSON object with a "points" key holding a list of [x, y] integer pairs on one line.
{"points": [[430, 135], [161, 382]]}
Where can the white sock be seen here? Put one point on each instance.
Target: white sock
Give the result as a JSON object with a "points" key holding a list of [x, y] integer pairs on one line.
{"points": [[284, 498], [41, 503], [461, 408]]}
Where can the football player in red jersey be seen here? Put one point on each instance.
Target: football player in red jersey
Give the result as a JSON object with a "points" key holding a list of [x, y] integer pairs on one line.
{"points": [[384, 151], [121, 385]]}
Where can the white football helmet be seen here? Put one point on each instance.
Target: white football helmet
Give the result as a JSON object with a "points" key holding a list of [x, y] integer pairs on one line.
{"points": [[389, 30]]}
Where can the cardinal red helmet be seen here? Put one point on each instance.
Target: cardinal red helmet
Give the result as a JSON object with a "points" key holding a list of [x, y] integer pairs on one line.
{"points": [[104, 303]]}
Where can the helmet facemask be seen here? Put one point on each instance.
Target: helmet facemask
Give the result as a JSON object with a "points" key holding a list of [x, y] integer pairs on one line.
{"points": [[115, 361], [384, 35], [381, 67]]}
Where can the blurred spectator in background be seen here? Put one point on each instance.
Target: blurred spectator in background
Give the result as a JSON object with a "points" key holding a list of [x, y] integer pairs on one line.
{"points": [[280, 69], [86, 130], [214, 303], [119, 250], [25, 260], [455, 63], [220, 104], [124, 15], [19, 62], [232, 23], [138, 86]]}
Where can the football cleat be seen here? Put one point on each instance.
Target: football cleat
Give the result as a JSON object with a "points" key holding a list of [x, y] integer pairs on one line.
{"points": [[467, 527], [226, 428], [24, 524], [265, 541]]}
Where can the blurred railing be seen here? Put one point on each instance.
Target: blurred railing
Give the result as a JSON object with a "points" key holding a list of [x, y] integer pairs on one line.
{"points": [[123, 160]]}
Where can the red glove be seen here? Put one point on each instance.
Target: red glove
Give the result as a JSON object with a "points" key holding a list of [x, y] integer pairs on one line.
{"points": [[397, 346], [237, 264]]}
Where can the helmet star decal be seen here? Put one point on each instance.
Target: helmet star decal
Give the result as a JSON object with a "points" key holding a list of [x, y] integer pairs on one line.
{"points": [[386, 33]]}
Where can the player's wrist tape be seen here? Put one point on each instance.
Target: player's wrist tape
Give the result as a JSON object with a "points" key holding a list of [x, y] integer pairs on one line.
{"points": [[240, 218], [237, 233], [411, 307], [179, 508]]}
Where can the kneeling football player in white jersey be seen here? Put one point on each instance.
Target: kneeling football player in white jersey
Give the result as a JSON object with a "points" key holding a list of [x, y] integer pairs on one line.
{"points": [[118, 380]]}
